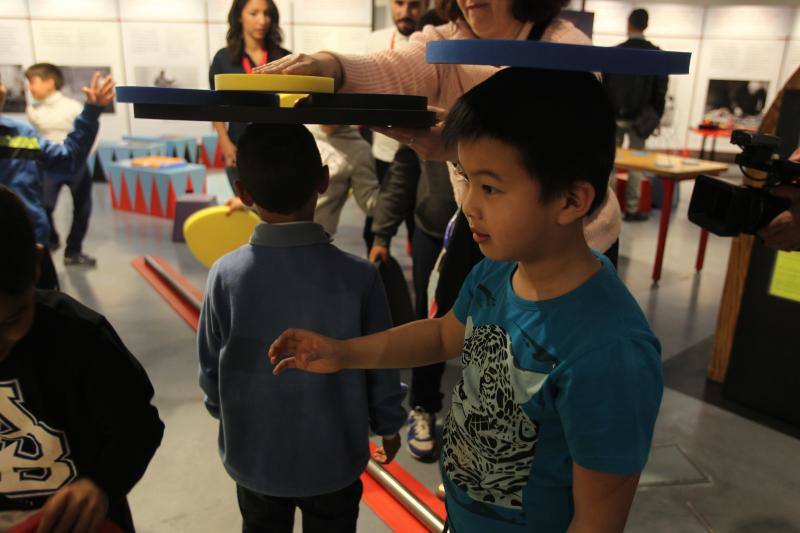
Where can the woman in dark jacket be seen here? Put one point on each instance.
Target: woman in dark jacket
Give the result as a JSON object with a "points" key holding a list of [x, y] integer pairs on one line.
{"points": [[254, 38]]}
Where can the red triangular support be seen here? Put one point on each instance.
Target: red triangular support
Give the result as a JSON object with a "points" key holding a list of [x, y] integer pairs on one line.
{"points": [[189, 187], [139, 204], [219, 161], [171, 201], [205, 157], [124, 196], [155, 201], [114, 202]]}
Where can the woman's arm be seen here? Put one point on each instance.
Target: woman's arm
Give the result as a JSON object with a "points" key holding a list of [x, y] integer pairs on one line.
{"points": [[399, 71]]}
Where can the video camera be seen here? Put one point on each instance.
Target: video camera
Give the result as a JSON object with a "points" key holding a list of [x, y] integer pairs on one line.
{"points": [[728, 210]]}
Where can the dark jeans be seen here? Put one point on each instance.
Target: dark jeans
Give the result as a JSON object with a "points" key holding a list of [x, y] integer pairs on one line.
{"points": [[426, 380], [80, 186], [336, 512], [381, 168]]}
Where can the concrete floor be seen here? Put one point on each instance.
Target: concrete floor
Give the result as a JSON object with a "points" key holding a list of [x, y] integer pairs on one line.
{"points": [[710, 469]]}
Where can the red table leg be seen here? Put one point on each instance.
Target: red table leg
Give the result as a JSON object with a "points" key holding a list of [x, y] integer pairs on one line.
{"points": [[701, 251], [668, 186]]}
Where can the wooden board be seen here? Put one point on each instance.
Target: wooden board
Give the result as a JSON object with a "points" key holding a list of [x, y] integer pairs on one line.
{"points": [[666, 165], [738, 266]]}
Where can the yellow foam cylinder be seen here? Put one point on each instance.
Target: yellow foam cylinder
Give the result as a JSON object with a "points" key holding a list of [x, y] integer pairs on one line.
{"points": [[210, 233], [279, 83]]}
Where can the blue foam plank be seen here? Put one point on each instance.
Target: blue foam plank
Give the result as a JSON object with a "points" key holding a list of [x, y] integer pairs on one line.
{"points": [[558, 56]]}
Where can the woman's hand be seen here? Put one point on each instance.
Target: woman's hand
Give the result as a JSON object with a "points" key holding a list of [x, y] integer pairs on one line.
{"points": [[427, 142], [319, 64], [304, 350]]}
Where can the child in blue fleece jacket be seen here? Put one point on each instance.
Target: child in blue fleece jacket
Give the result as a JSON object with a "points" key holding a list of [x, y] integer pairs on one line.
{"points": [[302, 441]]}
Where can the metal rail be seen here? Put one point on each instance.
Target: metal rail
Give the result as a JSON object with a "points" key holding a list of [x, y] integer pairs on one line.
{"points": [[405, 497]]}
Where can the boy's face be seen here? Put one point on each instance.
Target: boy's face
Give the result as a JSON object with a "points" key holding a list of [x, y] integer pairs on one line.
{"points": [[16, 318], [41, 88], [503, 202]]}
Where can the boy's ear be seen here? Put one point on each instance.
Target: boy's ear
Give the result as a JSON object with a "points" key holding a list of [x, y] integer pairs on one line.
{"points": [[576, 202], [243, 194], [324, 180], [37, 263]]}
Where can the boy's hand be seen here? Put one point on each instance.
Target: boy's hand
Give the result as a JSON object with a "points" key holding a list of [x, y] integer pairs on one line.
{"points": [[98, 93], [304, 350], [387, 453], [234, 204], [80, 507]]}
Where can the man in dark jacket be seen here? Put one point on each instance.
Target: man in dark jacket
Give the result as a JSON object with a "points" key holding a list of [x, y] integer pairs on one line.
{"points": [[422, 188], [638, 104]]}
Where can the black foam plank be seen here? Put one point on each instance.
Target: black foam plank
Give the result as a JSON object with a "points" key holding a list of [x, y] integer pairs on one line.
{"points": [[296, 115]]}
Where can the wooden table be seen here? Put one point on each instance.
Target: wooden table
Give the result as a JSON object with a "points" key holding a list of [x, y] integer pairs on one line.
{"points": [[714, 134], [670, 169]]}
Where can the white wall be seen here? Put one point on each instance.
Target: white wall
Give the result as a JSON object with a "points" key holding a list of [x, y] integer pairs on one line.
{"points": [[728, 42], [136, 39]]}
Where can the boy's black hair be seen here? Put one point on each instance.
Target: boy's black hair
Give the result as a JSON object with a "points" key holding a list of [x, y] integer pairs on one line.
{"points": [[46, 71], [279, 165], [18, 243], [639, 19], [561, 122]]}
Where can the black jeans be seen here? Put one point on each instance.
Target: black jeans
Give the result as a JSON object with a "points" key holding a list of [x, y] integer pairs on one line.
{"points": [[80, 186], [425, 380], [336, 512]]}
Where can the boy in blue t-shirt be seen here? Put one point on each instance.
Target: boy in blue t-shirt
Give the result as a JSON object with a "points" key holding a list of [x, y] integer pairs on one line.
{"points": [[552, 421]]}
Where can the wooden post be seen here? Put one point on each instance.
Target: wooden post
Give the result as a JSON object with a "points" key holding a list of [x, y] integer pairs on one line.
{"points": [[738, 265]]}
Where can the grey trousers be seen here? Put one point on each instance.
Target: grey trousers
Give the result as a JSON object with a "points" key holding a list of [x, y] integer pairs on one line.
{"points": [[633, 190]]}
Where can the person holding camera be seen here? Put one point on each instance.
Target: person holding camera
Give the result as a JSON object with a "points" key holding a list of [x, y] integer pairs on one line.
{"points": [[783, 233]]}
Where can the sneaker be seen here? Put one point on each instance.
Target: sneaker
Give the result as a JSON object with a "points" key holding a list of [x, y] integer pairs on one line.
{"points": [[421, 440], [54, 245], [80, 259], [636, 217]]}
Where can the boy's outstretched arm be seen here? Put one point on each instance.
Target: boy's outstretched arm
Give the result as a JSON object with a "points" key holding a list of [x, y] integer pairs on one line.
{"points": [[602, 500], [418, 343], [68, 156]]}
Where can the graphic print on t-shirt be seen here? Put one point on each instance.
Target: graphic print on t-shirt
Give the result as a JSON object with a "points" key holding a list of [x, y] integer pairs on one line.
{"points": [[34, 458], [489, 441]]}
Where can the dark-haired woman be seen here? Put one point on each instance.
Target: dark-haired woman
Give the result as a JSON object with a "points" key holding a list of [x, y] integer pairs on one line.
{"points": [[254, 38]]}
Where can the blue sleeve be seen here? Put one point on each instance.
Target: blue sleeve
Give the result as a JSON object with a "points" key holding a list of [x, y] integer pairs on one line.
{"points": [[68, 157], [385, 396], [209, 343], [467, 292], [608, 402]]}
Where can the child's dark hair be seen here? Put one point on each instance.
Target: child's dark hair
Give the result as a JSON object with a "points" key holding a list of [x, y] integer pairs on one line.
{"points": [[17, 240], [561, 123], [46, 71], [279, 165]]}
